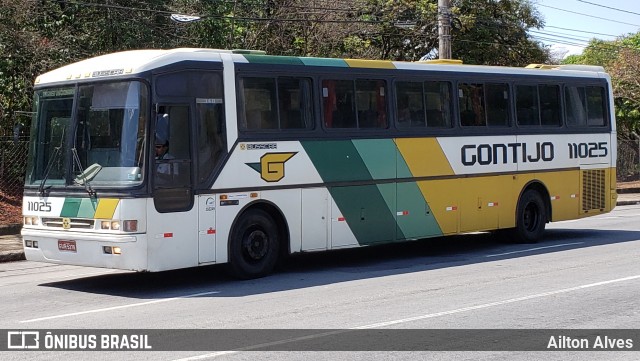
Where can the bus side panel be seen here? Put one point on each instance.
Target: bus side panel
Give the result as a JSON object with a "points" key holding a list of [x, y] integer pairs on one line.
{"points": [[482, 198], [289, 202], [172, 238], [315, 216]]}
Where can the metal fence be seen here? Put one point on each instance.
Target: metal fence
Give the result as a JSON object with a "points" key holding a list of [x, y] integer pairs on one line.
{"points": [[628, 166], [13, 161]]}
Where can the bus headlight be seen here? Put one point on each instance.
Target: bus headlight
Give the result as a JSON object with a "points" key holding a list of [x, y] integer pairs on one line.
{"points": [[30, 221], [115, 225], [130, 225]]}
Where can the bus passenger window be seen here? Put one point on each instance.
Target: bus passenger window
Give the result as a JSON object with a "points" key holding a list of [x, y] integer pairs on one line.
{"points": [[527, 105], [595, 106], [438, 100], [371, 104], [409, 105], [258, 101], [295, 103], [497, 105], [550, 105], [471, 100], [338, 103], [575, 105], [354, 104]]}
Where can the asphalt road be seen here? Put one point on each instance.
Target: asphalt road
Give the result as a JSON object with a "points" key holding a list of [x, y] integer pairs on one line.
{"points": [[584, 275]]}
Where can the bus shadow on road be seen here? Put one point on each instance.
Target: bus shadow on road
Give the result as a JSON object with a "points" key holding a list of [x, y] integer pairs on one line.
{"points": [[323, 268]]}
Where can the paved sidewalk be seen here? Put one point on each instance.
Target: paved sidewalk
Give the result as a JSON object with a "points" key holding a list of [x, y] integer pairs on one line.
{"points": [[11, 241], [11, 248]]}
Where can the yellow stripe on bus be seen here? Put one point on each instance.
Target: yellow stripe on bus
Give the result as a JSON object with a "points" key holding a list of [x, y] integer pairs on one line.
{"points": [[106, 208], [424, 156], [374, 64]]}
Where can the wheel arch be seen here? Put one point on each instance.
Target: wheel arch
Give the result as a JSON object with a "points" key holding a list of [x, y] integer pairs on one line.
{"points": [[276, 213], [539, 187]]}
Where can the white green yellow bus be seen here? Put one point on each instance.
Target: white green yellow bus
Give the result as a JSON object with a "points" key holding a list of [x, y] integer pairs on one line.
{"points": [[264, 156]]}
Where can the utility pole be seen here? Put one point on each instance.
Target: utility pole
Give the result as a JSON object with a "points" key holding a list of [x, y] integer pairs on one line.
{"points": [[444, 30]]}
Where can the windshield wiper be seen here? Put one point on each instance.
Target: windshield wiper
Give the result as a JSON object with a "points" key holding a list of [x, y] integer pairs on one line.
{"points": [[82, 177], [52, 159]]}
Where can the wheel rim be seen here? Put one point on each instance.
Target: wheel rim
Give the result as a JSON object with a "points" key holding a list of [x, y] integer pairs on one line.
{"points": [[255, 245], [531, 217]]}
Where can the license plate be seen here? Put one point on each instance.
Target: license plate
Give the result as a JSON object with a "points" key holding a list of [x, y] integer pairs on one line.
{"points": [[67, 246]]}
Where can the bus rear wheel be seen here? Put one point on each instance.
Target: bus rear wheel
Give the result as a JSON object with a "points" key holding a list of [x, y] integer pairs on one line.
{"points": [[254, 245], [531, 217]]}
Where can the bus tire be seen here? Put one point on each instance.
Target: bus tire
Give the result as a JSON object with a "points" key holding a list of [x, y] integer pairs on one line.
{"points": [[531, 217], [254, 245]]}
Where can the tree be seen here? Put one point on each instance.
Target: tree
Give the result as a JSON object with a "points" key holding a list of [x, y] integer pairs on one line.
{"points": [[621, 59], [495, 32], [39, 35]]}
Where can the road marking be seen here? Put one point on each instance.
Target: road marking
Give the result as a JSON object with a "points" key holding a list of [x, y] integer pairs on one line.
{"points": [[418, 318], [534, 249], [120, 307]]}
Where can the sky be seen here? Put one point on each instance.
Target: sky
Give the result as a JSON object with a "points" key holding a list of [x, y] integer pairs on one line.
{"points": [[566, 30]]}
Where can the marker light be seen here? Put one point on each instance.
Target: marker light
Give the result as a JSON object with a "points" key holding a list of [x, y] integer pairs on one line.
{"points": [[30, 221], [130, 226], [107, 249], [117, 250], [115, 225]]}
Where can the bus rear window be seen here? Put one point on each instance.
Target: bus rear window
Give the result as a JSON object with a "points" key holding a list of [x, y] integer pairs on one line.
{"points": [[585, 106]]}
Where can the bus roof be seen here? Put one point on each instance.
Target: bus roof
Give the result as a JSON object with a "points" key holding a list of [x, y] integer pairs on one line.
{"points": [[138, 61]]}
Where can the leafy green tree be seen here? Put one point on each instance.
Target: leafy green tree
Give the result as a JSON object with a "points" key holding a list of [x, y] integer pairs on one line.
{"points": [[621, 59], [495, 32]]}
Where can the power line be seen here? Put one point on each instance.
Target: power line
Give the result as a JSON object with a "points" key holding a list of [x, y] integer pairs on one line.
{"points": [[609, 7], [579, 30], [294, 20], [591, 16], [585, 40]]}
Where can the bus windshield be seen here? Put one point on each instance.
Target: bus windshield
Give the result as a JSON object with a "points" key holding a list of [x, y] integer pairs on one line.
{"points": [[89, 135]]}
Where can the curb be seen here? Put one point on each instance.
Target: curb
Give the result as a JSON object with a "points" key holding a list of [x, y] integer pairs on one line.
{"points": [[627, 190], [10, 229], [627, 203], [12, 256]]}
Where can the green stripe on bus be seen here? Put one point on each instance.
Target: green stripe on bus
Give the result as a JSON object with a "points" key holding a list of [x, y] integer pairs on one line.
{"points": [[87, 208], [267, 59], [379, 156], [325, 62], [337, 160], [414, 216], [366, 212], [70, 207]]}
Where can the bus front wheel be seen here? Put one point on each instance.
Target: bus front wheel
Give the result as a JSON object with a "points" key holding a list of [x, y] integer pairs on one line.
{"points": [[254, 245], [531, 217]]}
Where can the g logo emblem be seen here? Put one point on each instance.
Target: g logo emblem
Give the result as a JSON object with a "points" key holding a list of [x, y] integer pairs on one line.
{"points": [[271, 166]]}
